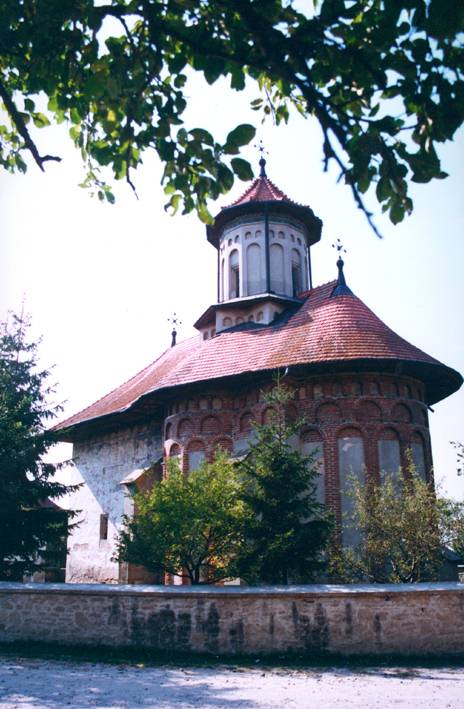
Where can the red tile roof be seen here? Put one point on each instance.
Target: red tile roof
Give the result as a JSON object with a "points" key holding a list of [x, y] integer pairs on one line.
{"points": [[262, 190], [322, 332]]}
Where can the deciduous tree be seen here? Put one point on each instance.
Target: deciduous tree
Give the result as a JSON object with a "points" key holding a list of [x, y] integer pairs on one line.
{"points": [[383, 79], [399, 529], [187, 525]]}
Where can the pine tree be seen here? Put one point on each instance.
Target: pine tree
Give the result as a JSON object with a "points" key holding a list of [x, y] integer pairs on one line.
{"points": [[28, 524], [287, 528]]}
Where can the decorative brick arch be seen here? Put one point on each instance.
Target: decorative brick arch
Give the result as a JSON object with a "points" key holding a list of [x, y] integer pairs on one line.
{"points": [[401, 413], [195, 445], [269, 414], [210, 425], [291, 412], [368, 411], [312, 433], [389, 433], [223, 443], [328, 411], [185, 428], [349, 432], [172, 448], [246, 422]]}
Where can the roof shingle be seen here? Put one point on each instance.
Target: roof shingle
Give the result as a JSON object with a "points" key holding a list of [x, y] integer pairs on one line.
{"points": [[322, 331]]}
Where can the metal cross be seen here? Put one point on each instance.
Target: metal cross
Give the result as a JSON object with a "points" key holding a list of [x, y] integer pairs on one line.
{"points": [[174, 320], [262, 161], [339, 246]]}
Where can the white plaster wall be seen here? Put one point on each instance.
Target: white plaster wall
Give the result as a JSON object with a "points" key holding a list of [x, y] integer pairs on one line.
{"points": [[100, 464]]}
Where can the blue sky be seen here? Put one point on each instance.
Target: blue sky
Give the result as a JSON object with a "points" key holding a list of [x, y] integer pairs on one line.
{"points": [[100, 281]]}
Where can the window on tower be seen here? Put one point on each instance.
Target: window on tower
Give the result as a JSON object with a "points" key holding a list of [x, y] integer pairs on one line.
{"points": [[296, 273], [234, 275]]}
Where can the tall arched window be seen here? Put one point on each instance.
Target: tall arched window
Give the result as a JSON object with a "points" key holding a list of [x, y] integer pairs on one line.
{"points": [[418, 455], [351, 465], [388, 447], [234, 274], [196, 455], [312, 445], [222, 279], [277, 268], [297, 283], [254, 280]]}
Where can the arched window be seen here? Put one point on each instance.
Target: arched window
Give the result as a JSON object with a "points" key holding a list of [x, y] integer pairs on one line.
{"points": [[374, 389], [418, 455], [227, 322], [388, 447], [297, 285], [356, 388], [312, 445], [277, 268], [195, 455], [350, 465], [222, 279], [234, 275], [254, 280], [318, 392]]}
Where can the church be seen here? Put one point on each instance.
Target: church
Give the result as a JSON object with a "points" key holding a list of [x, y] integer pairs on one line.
{"points": [[362, 390]]}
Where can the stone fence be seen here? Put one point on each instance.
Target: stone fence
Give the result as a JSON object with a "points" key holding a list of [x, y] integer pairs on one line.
{"points": [[320, 619]]}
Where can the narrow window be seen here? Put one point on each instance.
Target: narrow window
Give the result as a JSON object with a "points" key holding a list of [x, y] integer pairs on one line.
{"points": [[296, 273], [104, 526], [234, 275], [351, 464]]}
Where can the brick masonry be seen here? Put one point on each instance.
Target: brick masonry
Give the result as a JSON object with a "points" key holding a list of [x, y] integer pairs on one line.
{"points": [[369, 405], [403, 619]]}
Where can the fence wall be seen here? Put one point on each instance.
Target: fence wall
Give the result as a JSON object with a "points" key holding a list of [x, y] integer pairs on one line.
{"points": [[403, 619]]}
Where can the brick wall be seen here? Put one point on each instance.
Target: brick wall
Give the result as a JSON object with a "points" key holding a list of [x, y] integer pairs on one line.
{"points": [[403, 619], [371, 405]]}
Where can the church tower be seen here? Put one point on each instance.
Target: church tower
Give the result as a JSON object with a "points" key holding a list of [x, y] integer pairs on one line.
{"points": [[263, 243]]}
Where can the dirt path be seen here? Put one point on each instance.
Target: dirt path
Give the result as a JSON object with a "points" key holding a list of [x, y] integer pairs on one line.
{"points": [[49, 684]]}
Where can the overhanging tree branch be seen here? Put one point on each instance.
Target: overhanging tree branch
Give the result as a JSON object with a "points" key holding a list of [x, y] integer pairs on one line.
{"points": [[18, 120]]}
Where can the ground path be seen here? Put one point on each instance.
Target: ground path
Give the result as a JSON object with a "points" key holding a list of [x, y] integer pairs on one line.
{"points": [[53, 684]]}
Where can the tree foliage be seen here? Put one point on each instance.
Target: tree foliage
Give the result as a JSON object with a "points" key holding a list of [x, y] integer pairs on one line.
{"points": [[399, 523], [286, 528], [187, 525], [452, 524], [27, 525], [383, 79]]}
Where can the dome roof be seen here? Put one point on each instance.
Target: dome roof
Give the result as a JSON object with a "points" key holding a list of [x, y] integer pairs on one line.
{"points": [[324, 334], [264, 193]]}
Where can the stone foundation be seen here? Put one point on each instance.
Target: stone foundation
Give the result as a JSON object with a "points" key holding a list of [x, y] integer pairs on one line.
{"points": [[349, 620]]}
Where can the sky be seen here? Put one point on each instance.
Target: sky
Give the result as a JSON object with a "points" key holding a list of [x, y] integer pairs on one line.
{"points": [[100, 280]]}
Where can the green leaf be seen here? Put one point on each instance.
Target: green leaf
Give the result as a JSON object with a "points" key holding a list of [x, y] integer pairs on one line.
{"points": [[241, 135], [202, 135], [242, 169]]}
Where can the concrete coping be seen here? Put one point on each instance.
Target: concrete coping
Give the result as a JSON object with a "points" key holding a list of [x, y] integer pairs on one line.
{"points": [[326, 590]]}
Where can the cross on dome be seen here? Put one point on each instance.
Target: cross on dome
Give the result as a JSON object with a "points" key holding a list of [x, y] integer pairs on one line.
{"points": [[174, 320]]}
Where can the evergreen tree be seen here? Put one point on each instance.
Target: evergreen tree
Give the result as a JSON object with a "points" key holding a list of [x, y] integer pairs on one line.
{"points": [[28, 523], [287, 529]]}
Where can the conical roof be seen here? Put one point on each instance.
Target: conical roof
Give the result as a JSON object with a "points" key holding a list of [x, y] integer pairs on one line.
{"points": [[325, 334], [262, 190], [263, 196]]}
